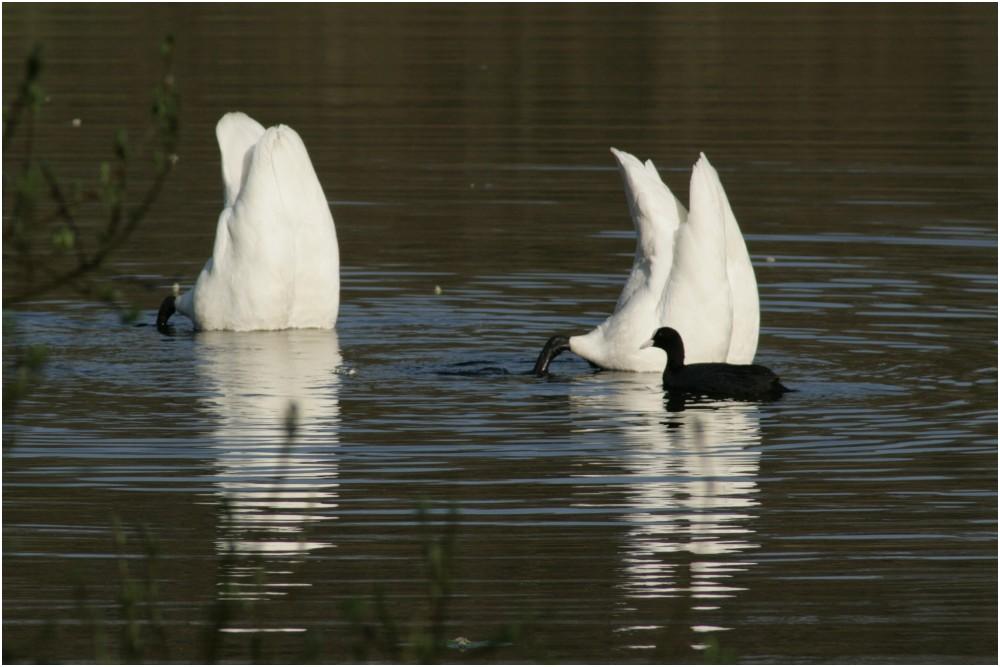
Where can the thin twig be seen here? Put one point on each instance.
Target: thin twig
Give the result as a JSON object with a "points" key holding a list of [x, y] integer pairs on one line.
{"points": [[112, 244], [63, 210]]}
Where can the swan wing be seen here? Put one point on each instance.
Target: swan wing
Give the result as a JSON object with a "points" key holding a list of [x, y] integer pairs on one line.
{"points": [[656, 214], [743, 287], [697, 301], [236, 133]]}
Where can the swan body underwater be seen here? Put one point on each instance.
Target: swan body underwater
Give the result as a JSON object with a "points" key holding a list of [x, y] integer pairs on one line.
{"points": [[275, 263], [715, 380], [691, 272]]}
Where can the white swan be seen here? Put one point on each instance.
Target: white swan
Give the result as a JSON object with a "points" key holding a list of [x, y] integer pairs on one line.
{"points": [[691, 272], [275, 263]]}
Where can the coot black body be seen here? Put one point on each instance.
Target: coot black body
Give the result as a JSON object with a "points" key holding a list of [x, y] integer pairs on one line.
{"points": [[716, 380]]}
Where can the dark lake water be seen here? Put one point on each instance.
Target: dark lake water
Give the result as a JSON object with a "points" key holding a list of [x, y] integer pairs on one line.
{"points": [[464, 150]]}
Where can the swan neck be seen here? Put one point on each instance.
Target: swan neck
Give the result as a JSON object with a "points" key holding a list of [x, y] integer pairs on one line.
{"points": [[555, 346], [167, 308]]}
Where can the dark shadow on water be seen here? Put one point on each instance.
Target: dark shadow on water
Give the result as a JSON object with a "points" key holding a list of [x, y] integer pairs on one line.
{"points": [[679, 402], [473, 368]]}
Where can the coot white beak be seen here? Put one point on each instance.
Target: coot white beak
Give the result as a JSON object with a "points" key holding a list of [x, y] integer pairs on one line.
{"points": [[648, 343]]}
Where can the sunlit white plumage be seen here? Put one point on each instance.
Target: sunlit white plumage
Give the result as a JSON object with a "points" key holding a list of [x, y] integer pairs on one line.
{"points": [[275, 263], [657, 216], [691, 272]]}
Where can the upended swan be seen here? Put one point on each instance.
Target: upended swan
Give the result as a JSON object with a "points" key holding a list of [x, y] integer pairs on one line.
{"points": [[275, 263], [716, 380], [691, 272]]}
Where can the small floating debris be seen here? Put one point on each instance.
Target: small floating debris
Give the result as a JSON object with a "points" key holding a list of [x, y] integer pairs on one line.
{"points": [[437, 290], [460, 643], [76, 122], [466, 644]]}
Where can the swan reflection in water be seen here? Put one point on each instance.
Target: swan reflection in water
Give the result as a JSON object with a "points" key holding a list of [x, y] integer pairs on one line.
{"points": [[691, 485], [274, 485]]}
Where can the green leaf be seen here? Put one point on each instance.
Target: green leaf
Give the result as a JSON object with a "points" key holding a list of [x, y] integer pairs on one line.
{"points": [[63, 238]]}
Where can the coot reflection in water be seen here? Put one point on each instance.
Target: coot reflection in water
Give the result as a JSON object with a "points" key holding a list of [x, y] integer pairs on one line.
{"points": [[690, 483]]}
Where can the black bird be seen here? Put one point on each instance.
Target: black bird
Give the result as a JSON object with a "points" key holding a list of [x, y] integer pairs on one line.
{"points": [[716, 380]]}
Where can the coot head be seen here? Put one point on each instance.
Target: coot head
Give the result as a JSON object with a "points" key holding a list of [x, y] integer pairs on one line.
{"points": [[669, 341]]}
